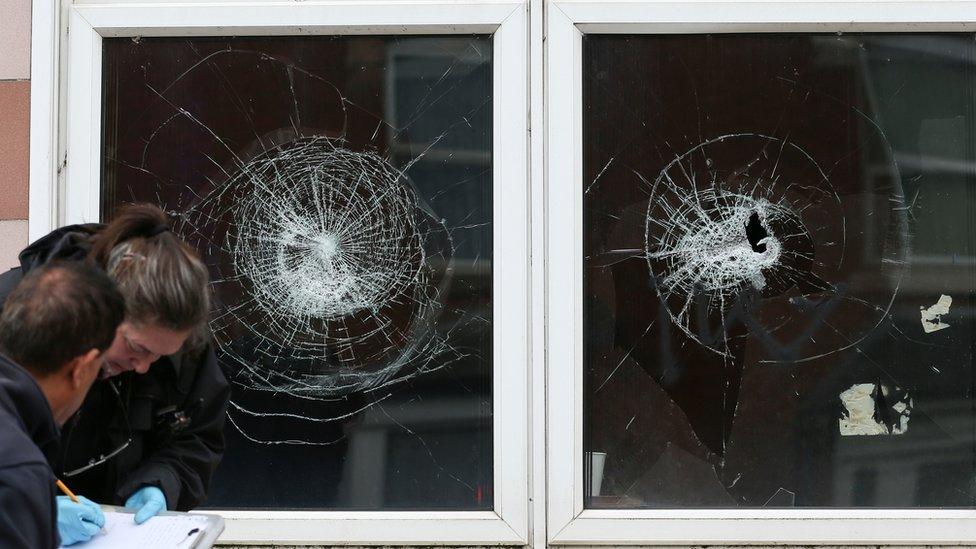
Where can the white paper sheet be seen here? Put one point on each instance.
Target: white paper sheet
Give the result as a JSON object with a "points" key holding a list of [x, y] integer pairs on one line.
{"points": [[164, 531]]}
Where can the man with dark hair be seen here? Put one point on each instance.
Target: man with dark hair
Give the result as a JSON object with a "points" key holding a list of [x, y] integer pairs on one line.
{"points": [[54, 328]]}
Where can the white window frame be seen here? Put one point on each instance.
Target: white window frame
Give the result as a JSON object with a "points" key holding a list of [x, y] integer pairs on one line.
{"points": [[568, 522], [66, 114]]}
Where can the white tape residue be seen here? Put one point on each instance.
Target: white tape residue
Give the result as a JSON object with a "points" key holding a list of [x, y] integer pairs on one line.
{"points": [[861, 418], [932, 316], [859, 402]]}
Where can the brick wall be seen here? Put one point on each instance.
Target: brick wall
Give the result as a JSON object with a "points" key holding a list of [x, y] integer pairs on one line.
{"points": [[14, 126]]}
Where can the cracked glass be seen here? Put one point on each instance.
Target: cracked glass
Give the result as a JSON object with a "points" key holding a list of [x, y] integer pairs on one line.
{"points": [[340, 191], [779, 267]]}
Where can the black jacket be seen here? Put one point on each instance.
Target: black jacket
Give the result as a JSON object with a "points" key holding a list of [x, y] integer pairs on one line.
{"points": [[28, 439], [178, 457]]}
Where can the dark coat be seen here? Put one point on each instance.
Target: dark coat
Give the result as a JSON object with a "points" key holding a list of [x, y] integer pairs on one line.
{"points": [[178, 457], [28, 439]]}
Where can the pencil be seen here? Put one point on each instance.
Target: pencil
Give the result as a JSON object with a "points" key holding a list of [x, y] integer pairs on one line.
{"points": [[66, 491]]}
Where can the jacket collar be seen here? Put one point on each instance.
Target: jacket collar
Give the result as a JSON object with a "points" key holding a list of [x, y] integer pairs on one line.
{"points": [[21, 393], [68, 243]]}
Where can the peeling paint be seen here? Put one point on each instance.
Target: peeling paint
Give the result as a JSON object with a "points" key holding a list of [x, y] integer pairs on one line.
{"points": [[932, 316]]}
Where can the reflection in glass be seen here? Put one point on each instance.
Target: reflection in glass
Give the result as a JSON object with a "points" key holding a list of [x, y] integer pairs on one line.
{"points": [[779, 269], [340, 191]]}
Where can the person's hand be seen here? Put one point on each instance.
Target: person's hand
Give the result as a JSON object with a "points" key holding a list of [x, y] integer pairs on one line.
{"points": [[148, 502], [78, 521]]}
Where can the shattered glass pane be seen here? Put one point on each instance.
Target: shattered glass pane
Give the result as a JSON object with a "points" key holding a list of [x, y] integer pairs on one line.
{"points": [[779, 270], [340, 191]]}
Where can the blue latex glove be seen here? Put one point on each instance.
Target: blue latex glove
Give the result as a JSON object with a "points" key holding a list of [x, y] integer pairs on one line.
{"points": [[78, 521], [148, 501]]}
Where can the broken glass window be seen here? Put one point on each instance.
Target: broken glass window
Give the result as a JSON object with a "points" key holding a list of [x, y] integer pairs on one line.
{"points": [[339, 189], [779, 270]]}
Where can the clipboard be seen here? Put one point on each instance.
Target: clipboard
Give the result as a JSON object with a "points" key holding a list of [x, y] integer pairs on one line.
{"points": [[168, 529]]}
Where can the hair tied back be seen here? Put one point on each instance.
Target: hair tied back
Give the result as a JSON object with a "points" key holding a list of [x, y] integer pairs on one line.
{"points": [[158, 229]]}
